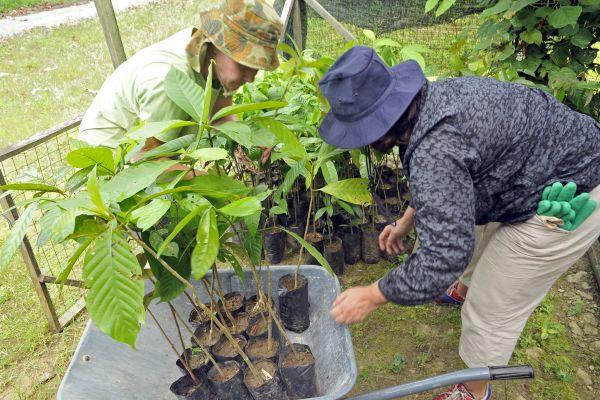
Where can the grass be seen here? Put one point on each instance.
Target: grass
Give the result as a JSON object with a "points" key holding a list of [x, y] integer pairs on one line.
{"points": [[7, 6]]}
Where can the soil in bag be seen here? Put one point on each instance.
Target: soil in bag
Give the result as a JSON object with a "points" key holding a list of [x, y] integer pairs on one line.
{"points": [[262, 349], [195, 358], [230, 384], [291, 243], [293, 302], [352, 247], [224, 350], [234, 302], [205, 336], [265, 385], [252, 307], [185, 388], [316, 239], [197, 318], [298, 371], [334, 254], [239, 325], [274, 240], [370, 244], [259, 326]]}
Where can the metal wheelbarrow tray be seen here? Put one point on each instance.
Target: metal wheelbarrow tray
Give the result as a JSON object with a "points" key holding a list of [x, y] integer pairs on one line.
{"points": [[104, 369]]}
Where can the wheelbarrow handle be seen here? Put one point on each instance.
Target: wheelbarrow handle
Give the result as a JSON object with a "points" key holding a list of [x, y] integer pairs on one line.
{"points": [[452, 378]]}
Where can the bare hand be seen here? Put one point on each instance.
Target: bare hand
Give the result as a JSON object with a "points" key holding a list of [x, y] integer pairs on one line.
{"points": [[354, 304], [392, 237]]}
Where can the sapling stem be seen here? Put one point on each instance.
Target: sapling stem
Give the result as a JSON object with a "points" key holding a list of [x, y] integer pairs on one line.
{"points": [[197, 301], [310, 205], [179, 334], [183, 362], [221, 295]]}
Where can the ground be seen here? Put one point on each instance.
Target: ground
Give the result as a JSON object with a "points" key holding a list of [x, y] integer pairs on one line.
{"points": [[48, 76]]}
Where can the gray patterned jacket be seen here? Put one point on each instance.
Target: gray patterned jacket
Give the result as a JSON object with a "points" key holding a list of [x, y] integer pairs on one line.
{"points": [[482, 151]]}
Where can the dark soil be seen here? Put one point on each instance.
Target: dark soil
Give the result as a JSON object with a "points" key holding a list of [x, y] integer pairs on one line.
{"points": [[267, 371], [314, 237], [234, 301], [262, 348], [229, 371], [225, 348], [241, 324], [302, 358], [259, 327], [206, 336], [199, 317], [288, 282], [251, 308]]}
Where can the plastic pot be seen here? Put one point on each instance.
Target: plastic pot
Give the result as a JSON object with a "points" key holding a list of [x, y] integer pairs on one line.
{"points": [[196, 359], [240, 324], [205, 337], [316, 239], [224, 349], [291, 243], [267, 385], [258, 327], [274, 240], [252, 309], [262, 349], [293, 302], [352, 246], [230, 384], [234, 302], [370, 243], [185, 388], [334, 254], [199, 318], [298, 372]]}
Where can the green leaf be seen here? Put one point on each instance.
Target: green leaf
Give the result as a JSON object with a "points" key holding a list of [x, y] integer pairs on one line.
{"points": [[63, 226], [64, 274], [509, 50], [16, 234], [147, 216], [533, 36], [292, 148], [353, 190], [116, 288], [219, 187], [180, 225], [566, 15], [154, 129], [582, 39], [135, 178], [369, 34], [184, 92], [239, 132], [78, 178], [242, 207], [430, 5], [94, 193], [444, 6], [38, 187], [242, 108], [520, 4], [168, 148], [208, 93], [320, 212], [347, 207], [209, 154], [207, 244], [252, 223], [290, 177], [232, 258], [498, 8], [383, 42], [329, 172], [85, 157], [313, 252]]}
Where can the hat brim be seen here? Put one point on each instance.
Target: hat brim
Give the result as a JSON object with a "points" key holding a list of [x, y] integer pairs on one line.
{"points": [[243, 52], [408, 79]]}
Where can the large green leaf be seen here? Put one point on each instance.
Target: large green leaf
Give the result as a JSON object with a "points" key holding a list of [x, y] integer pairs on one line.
{"points": [[153, 129], [85, 157], [168, 148], [135, 178], [148, 215], [236, 131], [242, 108], [116, 288], [208, 93], [566, 15], [184, 92], [180, 225], [16, 234], [329, 172], [209, 154], [220, 187], [38, 187], [291, 146], [242, 207], [93, 190], [207, 244], [61, 226], [444, 6], [353, 190], [312, 250], [78, 178], [66, 271], [498, 8], [429, 5]]}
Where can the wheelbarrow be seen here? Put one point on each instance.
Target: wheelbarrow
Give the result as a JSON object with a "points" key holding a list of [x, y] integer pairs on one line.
{"points": [[104, 369]]}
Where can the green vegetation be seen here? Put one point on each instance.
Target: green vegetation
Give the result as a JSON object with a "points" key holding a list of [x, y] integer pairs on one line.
{"points": [[6, 6]]}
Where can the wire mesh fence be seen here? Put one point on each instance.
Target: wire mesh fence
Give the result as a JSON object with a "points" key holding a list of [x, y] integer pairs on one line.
{"points": [[42, 158]]}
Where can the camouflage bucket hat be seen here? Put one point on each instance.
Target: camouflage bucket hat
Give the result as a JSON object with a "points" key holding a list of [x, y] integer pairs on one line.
{"points": [[246, 30]]}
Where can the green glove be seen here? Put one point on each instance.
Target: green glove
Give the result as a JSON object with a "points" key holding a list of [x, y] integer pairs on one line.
{"points": [[558, 201]]}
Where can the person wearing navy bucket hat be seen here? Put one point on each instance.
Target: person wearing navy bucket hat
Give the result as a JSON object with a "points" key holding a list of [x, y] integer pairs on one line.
{"points": [[504, 181]]}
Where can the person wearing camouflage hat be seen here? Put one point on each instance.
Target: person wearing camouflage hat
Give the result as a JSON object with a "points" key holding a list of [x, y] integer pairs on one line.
{"points": [[240, 37]]}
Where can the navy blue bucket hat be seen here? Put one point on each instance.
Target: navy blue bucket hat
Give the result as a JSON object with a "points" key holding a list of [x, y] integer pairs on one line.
{"points": [[366, 97]]}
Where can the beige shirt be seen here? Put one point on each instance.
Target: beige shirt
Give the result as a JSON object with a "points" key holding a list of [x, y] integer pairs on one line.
{"points": [[135, 92]]}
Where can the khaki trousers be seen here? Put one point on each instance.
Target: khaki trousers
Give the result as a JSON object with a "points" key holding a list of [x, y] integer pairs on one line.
{"points": [[513, 268]]}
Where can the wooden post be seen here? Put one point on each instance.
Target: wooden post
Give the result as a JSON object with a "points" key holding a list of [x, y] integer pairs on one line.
{"points": [[33, 268], [331, 19], [286, 12], [297, 24], [106, 13]]}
